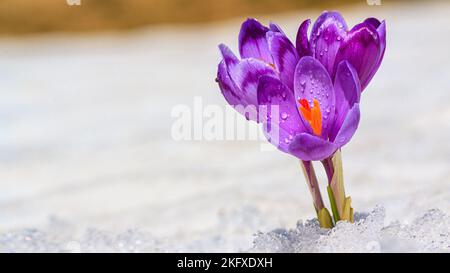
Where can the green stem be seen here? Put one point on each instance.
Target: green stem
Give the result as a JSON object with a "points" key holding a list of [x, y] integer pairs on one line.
{"points": [[334, 209]]}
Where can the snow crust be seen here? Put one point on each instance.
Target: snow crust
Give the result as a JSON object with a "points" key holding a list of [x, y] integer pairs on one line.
{"points": [[427, 233]]}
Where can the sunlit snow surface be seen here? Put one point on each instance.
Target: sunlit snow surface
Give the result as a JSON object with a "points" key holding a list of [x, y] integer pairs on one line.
{"points": [[428, 233], [86, 151]]}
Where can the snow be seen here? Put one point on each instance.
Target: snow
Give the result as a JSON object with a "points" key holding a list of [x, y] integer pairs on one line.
{"points": [[428, 233], [87, 162]]}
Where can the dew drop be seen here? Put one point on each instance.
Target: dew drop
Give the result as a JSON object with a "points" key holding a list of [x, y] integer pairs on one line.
{"points": [[303, 85], [284, 116]]}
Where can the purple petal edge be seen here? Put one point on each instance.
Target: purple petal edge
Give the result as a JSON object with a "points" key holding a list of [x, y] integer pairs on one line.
{"points": [[349, 126], [308, 147], [302, 41]]}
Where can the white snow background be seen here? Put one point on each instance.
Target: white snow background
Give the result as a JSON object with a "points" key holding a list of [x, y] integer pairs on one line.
{"points": [[87, 162]]}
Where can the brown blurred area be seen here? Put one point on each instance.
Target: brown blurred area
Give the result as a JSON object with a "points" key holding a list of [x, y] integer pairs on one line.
{"points": [[31, 16]]}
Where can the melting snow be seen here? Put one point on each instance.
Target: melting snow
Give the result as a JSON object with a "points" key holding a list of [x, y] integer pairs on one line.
{"points": [[428, 233]]}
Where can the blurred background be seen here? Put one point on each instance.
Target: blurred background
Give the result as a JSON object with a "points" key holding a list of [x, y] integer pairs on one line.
{"points": [[28, 16], [86, 93]]}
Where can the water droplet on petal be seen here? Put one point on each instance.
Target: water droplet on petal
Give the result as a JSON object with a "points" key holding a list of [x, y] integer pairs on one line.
{"points": [[284, 116]]}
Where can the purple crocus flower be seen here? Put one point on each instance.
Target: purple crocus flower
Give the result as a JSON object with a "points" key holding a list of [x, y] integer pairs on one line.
{"points": [[307, 97], [316, 85], [264, 51], [331, 42]]}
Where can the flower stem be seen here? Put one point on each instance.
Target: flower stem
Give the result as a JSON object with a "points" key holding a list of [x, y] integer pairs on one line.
{"points": [[329, 168], [340, 204], [323, 215], [313, 185], [334, 209]]}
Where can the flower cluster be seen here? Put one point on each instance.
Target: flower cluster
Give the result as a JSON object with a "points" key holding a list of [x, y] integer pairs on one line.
{"points": [[316, 86]]}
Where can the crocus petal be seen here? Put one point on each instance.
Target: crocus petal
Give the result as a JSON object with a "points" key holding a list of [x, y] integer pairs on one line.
{"points": [[284, 55], [311, 81], [349, 126], [381, 30], [326, 17], [228, 56], [275, 27], [373, 21], [252, 41], [281, 118], [347, 90], [362, 48], [302, 42], [241, 86], [327, 35], [246, 75], [382, 37], [229, 89], [308, 147]]}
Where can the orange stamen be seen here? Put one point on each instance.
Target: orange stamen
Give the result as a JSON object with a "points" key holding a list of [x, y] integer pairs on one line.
{"points": [[312, 115], [305, 109]]}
